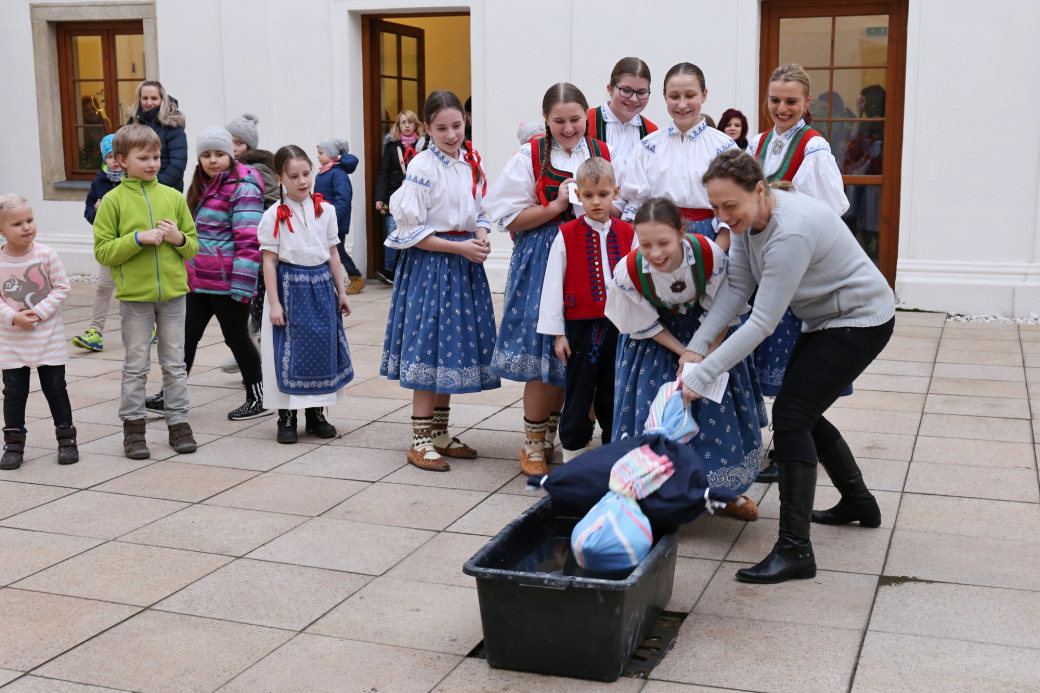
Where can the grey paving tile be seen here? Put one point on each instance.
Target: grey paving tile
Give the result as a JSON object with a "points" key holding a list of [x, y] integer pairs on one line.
{"points": [[481, 474], [920, 318], [265, 594], [159, 651], [354, 547], [848, 548], [36, 684], [874, 421], [979, 453], [997, 483], [981, 345], [891, 662], [94, 514], [294, 494], [743, 653], [692, 576], [39, 626], [382, 436], [960, 612], [880, 446], [407, 506], [976, 427], [903, 368], [158, 440], [42, 435], [830, 600], [16, 498], [91, 470], [882, 401], [981, 358], [828, 497], [8, 675], [895, 353], [330, 665], [475, 676], [124, 573], [420, 615], [969, 517], [461, 417], [176, 481], [709, 536], [214, 529], [441, 560], [248, 453], [336, 461], [493, 514], [1012, 374], [978, 388], [966, 560], [25, 553], [879, 475], [975, 406]]}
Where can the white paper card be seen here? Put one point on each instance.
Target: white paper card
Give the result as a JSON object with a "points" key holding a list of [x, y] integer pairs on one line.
{"points": [[572, 193], [717, 389]]}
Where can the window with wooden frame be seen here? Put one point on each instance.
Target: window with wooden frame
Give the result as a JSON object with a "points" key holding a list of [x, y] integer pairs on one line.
{"points": [[100, 65]]}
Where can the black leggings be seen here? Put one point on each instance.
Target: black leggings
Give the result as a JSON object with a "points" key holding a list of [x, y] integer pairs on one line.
{"points": [[16, 393], [822, 365], [233, 317]]}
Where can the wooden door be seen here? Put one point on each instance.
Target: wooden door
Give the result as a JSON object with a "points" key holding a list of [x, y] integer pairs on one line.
{"points": [[855, 54], [395, 65]]}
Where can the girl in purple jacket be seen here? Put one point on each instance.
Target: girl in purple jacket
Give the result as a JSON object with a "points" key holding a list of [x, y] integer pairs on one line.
{"points": [[226, 199]]}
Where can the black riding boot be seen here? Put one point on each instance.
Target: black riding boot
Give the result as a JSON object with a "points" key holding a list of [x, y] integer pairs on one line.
{"points": [[857, 503], [792, 555]]}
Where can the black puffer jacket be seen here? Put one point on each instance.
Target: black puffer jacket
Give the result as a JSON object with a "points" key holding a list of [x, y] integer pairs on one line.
{"points": [[174, 143], [391, 175]]}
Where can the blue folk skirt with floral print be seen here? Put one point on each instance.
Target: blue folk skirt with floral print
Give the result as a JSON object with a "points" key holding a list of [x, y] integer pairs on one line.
{"points": [[441, 329]]}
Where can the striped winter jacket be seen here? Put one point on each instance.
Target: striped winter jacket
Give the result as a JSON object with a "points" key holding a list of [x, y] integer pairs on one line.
{"points": [[226, 218]]}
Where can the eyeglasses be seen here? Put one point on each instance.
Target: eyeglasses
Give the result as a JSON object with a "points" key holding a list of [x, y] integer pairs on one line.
{"points": [[641, 94]]}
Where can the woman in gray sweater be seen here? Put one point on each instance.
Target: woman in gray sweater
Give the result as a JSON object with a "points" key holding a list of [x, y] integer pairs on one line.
{"points": [[798, 252]]}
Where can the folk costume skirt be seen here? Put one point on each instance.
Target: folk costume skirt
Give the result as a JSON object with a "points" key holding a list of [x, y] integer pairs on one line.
{"points": [[772, 355], [521, 354], [306, 362], [730, 439], [440, 334]]}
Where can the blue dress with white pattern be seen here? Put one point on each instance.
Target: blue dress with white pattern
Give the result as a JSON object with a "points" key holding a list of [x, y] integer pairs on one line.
{"points": [[440, 332]]}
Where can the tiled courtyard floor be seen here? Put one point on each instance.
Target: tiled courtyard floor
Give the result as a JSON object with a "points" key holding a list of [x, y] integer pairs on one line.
{"points": [[334, 566]]}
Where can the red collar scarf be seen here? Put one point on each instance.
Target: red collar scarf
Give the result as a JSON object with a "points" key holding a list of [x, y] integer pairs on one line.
{"points": [[285, 213]]}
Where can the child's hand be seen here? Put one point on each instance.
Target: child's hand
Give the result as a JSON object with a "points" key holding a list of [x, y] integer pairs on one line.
{"points": [[97, 204], [344, 303], [150, 237], [473, 250], [26, 320], [563, 348], [563, 199], [277, 315], [170, 232]]}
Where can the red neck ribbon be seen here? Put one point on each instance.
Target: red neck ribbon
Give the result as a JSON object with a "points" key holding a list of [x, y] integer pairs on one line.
{"points": [[473, 159], [318, 199], [283, 215]]}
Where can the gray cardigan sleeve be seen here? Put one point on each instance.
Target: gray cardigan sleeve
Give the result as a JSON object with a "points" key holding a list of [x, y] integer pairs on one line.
{"points": [[783, 266]]}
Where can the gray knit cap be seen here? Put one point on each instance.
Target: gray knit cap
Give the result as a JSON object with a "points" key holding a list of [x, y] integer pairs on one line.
{"points": [[334, 147], [244, 128], [214, 139]]}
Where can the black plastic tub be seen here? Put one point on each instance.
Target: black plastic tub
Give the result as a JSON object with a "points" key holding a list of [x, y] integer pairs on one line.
{"points": [[542, 613]]}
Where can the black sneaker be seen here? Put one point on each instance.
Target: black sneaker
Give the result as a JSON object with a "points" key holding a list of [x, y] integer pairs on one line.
{"points": [[155, 404], [252, 409], [385, 277]]}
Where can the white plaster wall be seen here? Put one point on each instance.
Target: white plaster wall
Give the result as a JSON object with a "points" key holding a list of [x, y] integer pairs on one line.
{"points": [[970, 214]]}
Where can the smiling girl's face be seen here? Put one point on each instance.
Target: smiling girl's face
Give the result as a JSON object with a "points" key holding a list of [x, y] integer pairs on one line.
{"points": [[661, 245], [567, 123], [628, 107], [684, 97]]}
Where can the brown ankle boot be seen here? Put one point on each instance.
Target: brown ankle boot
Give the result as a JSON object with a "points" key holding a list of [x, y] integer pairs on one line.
{"points": [[134, 445], [423, 454], [182, 440], [532, 455]]}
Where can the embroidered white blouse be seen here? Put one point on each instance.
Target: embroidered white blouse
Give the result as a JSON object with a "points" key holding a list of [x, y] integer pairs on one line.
{"points": [[436, 196], [670, 164], [513, 192], [635, 316], [550, 310], [818, 176], [310, 239], [622, 137]]}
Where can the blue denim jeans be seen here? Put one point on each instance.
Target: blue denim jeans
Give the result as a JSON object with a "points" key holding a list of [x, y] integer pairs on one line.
{"points": [[389, 254]]}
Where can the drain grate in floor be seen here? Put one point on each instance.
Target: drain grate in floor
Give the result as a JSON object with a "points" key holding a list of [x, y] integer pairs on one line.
{"points": [[655, 645]]}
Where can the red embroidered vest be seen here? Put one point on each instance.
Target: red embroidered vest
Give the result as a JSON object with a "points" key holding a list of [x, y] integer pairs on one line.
{"points": [[795, 153], [585, 282], [598, 125], [547, 187]]}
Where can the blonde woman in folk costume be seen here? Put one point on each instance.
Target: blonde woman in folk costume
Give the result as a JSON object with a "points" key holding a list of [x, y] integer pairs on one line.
{"points": [[530, 200], [619, 122], [794, 152]]}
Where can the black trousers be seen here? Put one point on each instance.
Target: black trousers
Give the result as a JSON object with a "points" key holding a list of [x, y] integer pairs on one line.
{"points": [[233, 317], [16, 393], [348, 265], [590, 381], [822, 365]]}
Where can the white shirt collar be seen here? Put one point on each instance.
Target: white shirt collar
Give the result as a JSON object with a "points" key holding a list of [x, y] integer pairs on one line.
{"points": [[791, 132], [578, 148], [597, 226], [609, 117], [693, 133], [444, 158]]}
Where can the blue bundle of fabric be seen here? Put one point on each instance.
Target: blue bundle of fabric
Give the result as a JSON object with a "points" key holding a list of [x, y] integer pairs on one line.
{"points": [[580, 484]]}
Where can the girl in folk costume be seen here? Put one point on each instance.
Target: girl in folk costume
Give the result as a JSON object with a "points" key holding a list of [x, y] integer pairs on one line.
{"points": [[441, 331], [660, 294], [618, 121], [792, 151], [531, 199], [670, 162], [306, 360]]}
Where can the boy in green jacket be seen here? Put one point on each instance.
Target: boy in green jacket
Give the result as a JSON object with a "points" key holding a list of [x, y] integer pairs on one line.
{"points": [[143, 233]]}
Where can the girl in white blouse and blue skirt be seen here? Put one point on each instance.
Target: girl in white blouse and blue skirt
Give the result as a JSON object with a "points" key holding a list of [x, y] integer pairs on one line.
{"points": [[440, 334]]}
